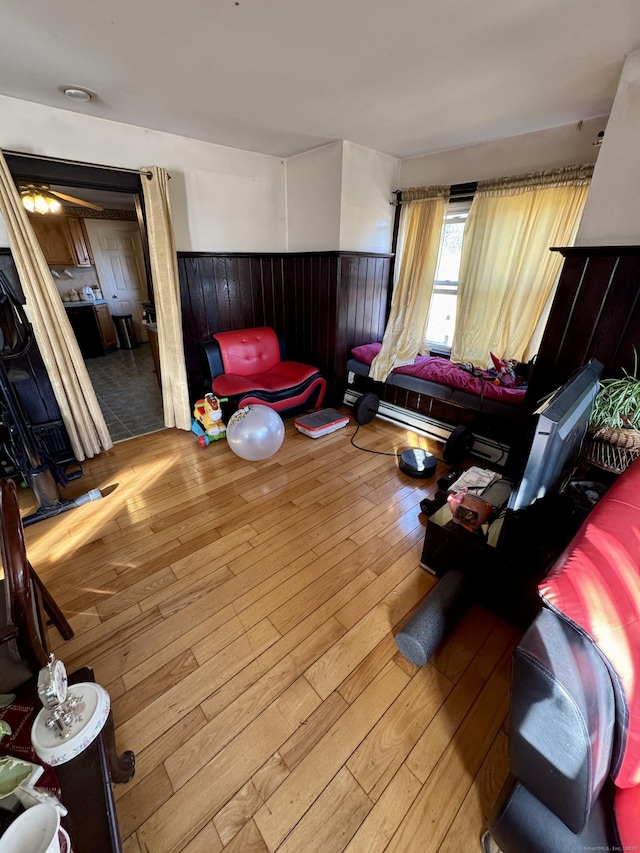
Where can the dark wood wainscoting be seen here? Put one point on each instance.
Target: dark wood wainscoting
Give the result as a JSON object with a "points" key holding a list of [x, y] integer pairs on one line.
{"points": [[322, 303], [595, 314]]}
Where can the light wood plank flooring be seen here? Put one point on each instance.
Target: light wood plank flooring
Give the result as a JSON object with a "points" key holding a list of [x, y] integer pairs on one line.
{"points": [[242, 616]]}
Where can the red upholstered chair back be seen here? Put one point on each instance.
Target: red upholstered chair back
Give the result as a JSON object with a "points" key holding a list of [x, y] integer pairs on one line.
{"points": [[249, 351]]}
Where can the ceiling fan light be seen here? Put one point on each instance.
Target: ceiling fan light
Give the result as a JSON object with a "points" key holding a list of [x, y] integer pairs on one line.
{"points": [[40, 204], [37, 200]]}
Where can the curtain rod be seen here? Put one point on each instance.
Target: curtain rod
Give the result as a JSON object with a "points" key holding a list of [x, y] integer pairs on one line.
{"points": [[457, 192], [78, 163]]}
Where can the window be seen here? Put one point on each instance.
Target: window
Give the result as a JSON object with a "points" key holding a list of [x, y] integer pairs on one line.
{"points": [[441, 319]]}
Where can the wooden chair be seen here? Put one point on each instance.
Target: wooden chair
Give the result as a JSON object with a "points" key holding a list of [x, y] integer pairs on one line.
{"points": [[23, 624]]}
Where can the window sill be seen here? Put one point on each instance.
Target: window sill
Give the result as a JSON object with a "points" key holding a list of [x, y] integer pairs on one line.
{"points": [[439, 350]]}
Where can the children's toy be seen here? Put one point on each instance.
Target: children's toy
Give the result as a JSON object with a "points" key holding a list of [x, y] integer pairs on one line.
{"points": [[207, 420], [505, 370]]}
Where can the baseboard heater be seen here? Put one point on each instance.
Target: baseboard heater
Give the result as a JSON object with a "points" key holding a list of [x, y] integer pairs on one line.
{"points": [[483, 447]]}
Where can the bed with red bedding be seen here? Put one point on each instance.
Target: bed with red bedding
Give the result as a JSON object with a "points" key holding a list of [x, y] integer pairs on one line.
{"points": [[445, 380]]}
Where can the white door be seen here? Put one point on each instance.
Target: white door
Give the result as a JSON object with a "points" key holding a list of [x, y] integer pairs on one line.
{"points": [[117, 251]]}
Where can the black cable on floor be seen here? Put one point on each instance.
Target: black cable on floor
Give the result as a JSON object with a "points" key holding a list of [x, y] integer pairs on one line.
{"points": [[397, 453], [367, 449]]}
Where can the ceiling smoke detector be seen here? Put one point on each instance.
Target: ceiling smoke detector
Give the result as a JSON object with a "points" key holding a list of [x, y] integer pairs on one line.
{"points": [[76, 93]]}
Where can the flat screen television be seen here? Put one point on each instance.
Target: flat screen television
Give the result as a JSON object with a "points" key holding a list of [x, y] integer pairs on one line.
{"points": [[560, 427]]}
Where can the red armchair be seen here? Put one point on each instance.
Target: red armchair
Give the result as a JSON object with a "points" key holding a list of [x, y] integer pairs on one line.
{"points": [[250, 366], [574, 743]]}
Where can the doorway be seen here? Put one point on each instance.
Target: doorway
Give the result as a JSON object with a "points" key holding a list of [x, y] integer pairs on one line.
{"points": [[119, 263], [116, 270], [125, 381]]}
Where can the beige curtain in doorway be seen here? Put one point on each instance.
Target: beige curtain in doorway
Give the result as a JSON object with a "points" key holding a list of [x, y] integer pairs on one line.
{"points": [[67, 371], [166, 291], [421, 218], [507, 273]]}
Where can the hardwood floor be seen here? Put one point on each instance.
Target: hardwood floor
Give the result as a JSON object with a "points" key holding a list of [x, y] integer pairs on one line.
{"points": [[242, 616]]}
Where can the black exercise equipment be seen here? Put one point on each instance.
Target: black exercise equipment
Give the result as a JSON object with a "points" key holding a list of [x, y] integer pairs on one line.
{"points": [[458, 445], [437, 614], [15, 340], [366, 408]]}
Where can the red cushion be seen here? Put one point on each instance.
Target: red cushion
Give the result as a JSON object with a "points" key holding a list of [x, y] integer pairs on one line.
{"points": [[286, 374], [596, 583], [627, 809], [366, 352], [248, 351]]}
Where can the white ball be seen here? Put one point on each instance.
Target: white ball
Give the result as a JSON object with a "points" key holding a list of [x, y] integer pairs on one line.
{"points": [[255, 432]]}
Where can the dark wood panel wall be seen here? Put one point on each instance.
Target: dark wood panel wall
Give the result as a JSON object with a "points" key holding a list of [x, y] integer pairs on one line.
{"points": [[595, 314], [322, 303]]}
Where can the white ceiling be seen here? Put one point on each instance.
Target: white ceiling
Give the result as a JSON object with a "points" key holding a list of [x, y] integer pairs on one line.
{"points": [[405, 77]]}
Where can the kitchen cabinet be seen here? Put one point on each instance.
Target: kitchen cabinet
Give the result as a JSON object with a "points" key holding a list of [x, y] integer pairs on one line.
{"points": [[93, 328], [106, 327], [80, 241], [63, 239]]}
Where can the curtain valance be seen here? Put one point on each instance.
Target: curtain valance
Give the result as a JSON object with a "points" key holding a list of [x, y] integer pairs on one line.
{"points": [[424, 193], [578, 175]]}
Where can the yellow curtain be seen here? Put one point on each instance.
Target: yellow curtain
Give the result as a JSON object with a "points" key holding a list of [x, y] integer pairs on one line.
{"points": [[166, 290], [67, 371], [421, 220], [507, 273]]}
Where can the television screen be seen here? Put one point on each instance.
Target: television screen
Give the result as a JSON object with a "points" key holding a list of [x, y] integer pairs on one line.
{"points": [[560, 427]]}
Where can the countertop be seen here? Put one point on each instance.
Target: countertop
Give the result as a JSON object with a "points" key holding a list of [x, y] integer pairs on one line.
{"points": [[82, 304]]}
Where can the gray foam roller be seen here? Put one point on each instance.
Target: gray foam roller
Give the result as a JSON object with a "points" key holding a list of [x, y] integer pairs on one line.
{"points": [[440, 610]]}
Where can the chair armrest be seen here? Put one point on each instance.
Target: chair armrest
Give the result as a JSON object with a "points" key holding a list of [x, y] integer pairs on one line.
{"points": [[562, 718], [212, 358]]}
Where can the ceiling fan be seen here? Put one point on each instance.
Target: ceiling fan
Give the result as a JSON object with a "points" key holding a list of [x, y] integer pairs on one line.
{"points": [[40, 198]]}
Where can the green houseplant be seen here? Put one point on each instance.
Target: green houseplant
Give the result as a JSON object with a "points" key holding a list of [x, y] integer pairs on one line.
{"points": [[614, 433]]}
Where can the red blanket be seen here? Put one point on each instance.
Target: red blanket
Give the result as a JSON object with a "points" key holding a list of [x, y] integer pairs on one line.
{"points": [[447, 373]]}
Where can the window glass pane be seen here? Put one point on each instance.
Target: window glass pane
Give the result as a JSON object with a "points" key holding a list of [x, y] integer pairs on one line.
{"points": [[442, 311], [450, 251], [442, 318]]}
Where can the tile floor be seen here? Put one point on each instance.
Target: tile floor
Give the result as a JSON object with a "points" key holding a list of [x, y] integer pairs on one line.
{"points": [[128, 392]]}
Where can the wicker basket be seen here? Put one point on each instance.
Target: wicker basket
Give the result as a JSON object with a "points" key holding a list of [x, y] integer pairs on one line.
{"points": [[612, 449]]}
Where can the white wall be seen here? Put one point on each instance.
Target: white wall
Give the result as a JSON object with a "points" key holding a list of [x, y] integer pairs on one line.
{"points": [[612, 213], [334, 197], [338, 198], [222, 198], [314, 188], [366, 217], [530, 152]]}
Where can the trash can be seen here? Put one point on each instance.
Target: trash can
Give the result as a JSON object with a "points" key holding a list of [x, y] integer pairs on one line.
{"points": [[125, 331]]}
